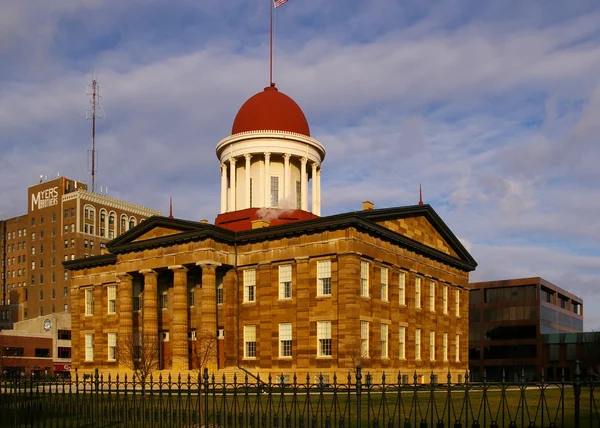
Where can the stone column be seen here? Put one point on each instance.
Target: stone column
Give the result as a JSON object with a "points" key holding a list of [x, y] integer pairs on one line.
{"points": [[286, 176], [267, 182], [232, 185], [248, 178], [179, 325], [223, 188], [149, 333], [313, 207], [125, 301], [208, 321], [318, 211], [303, 185]]}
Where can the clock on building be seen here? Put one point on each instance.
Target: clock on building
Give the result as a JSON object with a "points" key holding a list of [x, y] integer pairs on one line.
{"points": [[47, 324]]}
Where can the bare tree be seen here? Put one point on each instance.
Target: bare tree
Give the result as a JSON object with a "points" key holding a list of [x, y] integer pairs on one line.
{"points": [[204, 349], [139, 353], [355, 350]]}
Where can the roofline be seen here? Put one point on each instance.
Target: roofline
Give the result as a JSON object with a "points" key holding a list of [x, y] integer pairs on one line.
{"points": [[516, 282]]}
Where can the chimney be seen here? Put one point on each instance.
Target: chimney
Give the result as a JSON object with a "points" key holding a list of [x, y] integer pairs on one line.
{"points": [[368, 205], [259, 224]]}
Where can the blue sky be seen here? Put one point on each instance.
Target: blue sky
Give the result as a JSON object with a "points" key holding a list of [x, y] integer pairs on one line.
{"points": [[493, 106]]}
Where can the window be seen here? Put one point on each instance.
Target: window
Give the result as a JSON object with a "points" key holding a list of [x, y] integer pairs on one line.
{"points": [[418, 293], [324, 338], [164, 300], [384, 340], [220, 295], [417, 344], [42, 353], [285, 340], [65, 292], [66, 242], [191, 297], [111, 293], [52, 293], [402, 289], [457, 303], [249, 341], [137, 289], [432, 296], [64, 352], [89, 301], [274, 191], [285, 282], [364, 339], [364, 278], [112, 346], [250, 285], [384, 284], [445, 347], [432, 345], [457, 340], [324, 277], [72, 242], [445, 299], [402, 343], [89, 347], [41, 294]]}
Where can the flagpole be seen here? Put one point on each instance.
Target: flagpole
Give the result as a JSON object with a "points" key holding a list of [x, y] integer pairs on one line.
{"points": [[271, 5]]}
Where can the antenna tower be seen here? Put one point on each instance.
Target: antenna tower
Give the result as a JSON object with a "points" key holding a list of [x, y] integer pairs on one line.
{"points": [[93, 91]]}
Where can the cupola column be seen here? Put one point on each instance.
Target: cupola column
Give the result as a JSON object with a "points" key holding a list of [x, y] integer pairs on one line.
{"points": [[248, 203], [223, 188], [286, 176], [232, 185], [318, 211], [313, 207], [303, 185], [267, 179]]}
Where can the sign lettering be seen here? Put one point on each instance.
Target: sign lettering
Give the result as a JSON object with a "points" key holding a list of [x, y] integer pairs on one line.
{"points": [[44, 198]]}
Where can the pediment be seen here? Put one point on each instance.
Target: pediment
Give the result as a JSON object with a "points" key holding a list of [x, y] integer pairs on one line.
{"points": [[154, 228], [157, 232]]}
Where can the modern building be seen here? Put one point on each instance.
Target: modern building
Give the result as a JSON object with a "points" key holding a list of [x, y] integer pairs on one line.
{"points": [[563, 351], [64, 221], [508, 319], [39, 346], [280, 289]]}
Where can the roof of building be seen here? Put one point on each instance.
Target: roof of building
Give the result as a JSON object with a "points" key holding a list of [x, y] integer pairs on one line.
{"points": [[270, 110], [365, 221]]}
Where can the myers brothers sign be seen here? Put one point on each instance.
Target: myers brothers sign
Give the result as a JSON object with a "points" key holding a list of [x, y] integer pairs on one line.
{"points": [[44, 198]]}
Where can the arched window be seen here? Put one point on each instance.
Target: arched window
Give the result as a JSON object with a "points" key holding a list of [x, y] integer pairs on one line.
{"points": [[123, 223], [132, 222], [103, 223], [112, 225]]}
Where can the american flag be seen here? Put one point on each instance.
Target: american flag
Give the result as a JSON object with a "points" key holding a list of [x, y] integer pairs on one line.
{"points": [[279, 2]]}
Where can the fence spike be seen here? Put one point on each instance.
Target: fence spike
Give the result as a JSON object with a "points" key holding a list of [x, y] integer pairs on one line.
{"points": [[415, 377]]}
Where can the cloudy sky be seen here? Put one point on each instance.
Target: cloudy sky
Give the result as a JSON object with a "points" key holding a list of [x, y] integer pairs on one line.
{"points": [[494, 106]]}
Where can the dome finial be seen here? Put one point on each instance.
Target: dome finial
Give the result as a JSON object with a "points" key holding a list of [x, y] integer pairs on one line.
{"points": [[420, 194], [171, 207]]}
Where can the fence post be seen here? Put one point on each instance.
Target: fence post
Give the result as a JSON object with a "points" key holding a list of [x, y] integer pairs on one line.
{"points": [[577, 392], [358, 397], [206, 397]]}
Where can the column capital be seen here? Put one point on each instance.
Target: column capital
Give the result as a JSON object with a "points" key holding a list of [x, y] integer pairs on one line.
{"points": [[232, 160], [267, 155], [149, 272], [177, 268], [124, 277], [287, 156], [223, 166], [248, 156], [303, 160], [315, 165], [208, 263]]}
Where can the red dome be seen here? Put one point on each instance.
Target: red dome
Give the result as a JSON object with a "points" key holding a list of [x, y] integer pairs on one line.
{"points": [[270, 110]]}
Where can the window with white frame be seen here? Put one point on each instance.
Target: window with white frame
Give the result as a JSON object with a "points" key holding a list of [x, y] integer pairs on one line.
{"points": [[445, 298], [457, 342], [324, 338], [164, 300], [364, 339], [285, 282], [89, 347], [417, 344], [220, 295], [324, 277], [384, 284], [364, 278], [432, 345], [402, 343], [445, 346], [111, 292], [274, 191], [457, 303], [249, 341], [250, 285], [384, 340], [112, 346], [285, 340], [432, 296], [418, 293], [89, 301], [402, 288]]}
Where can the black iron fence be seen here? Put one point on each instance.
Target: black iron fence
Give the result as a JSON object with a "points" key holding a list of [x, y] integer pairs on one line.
{"points": [[277, 402]]}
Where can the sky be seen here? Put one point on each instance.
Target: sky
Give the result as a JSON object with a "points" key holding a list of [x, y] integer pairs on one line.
{"points": [[493, 106]]}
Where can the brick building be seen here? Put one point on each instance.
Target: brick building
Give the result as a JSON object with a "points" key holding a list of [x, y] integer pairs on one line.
{"points": [[282, 289], [64, 221], [508, 322]]}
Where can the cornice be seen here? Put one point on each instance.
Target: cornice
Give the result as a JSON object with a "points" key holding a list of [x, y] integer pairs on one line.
{"points": [[107, 201], [250, 135]]}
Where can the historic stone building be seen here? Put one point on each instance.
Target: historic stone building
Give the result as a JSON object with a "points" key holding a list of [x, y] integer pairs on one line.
{"points": [[282, 289]]}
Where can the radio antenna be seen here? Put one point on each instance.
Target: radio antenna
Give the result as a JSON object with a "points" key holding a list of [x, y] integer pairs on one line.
{"points": [[93, 91]]}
